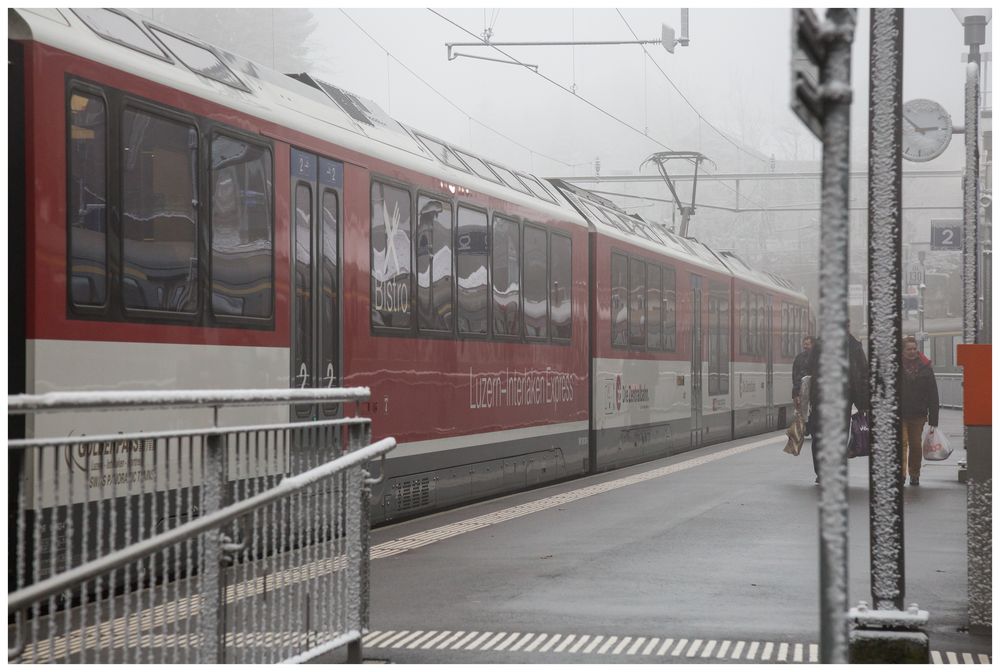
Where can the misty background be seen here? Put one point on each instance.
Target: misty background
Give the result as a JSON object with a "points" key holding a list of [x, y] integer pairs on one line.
{"points": [[602, 110]]}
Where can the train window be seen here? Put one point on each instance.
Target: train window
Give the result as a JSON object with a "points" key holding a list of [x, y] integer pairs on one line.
{"points": [[724, 344], [506, 248], [535, 187], [87, 209], [391, 251], [654, 307], [435, 299], [443, 153], [509, 178], [669, 310], [636, 303], [470, 265], [562, 287], [784, 330], [536, 281], [744, 322], [330, 287], [117, 27], [199, 59], [754, 324], [159, 213], [713, 345], [478, 166], [619, 300], [242, 229], [303, 208]]}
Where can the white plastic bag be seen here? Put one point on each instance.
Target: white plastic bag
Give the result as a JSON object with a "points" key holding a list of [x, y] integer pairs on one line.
{"points": [[935, 444]]}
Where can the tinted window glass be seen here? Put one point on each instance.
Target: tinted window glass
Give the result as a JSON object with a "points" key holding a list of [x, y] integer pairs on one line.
{"points": [[509, 179], [506, 249], [470, 256], [242, 229], [434, 276], [390, 256], [654, 308], [87, 207], [562, 287], [329, 344], [536, 282], [637, 303], [478, 166], [723, 342], [619, 300], [669, 310], [745, 323], [713, 345], [199, 59], [303, 286], [444, 153], [119, 28], [159, 213]]}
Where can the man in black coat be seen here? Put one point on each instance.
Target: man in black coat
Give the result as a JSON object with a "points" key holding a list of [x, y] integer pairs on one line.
{"points": [[858, 390], [800, 368], [918, 404]]}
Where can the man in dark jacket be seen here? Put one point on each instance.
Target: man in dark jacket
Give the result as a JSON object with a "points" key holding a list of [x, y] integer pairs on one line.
{"points": [[858, 390], [918, 403], [800, 368]]}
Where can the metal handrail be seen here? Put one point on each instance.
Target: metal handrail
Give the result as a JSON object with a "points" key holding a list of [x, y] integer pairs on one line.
{"points": [[26, 596], [174, 434], [130, 399]]}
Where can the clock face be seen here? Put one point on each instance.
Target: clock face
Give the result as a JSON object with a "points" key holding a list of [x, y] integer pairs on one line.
{"points": [[926, 130]]}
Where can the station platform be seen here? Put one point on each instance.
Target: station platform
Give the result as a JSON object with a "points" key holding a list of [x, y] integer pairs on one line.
{"points": [[708, 556]]}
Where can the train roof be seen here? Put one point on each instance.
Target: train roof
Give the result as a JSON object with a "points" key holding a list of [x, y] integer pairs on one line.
{"points": [[125, 40], [610, 220]]}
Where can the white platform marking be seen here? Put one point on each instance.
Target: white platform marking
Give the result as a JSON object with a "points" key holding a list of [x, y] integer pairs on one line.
{"points": [[709, 648], [635, 647], [549, 644], [695, 645], [723, 649]]}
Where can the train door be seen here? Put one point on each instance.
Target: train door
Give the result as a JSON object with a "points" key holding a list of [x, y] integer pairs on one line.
{"points": [[316, 193], [769, 361], [697, 426]]}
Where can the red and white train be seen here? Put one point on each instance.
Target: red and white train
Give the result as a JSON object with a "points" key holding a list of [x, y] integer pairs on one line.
{"points": [[183, 218]]}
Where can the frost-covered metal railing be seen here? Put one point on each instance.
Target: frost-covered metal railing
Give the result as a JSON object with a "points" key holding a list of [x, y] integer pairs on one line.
{"points": [[220, 544], [949, 389]]}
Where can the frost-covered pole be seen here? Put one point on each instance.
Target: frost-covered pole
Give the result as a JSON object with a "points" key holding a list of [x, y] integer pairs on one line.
{"points": [[837, 33], [970, 205], [885, 282]]}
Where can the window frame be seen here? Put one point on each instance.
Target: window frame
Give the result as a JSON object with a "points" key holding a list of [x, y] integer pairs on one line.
{"points": [[671, 272], [611, 294], [452, 203], [642, 317], [198, 315], [547, 290], [211, 133], [162, 56], [410, 330], [559, 340], [516, 221], [111, 196], [154, 29], [459, 334]]}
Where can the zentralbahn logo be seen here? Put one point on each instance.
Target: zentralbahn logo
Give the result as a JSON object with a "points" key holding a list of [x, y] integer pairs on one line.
{"points": [[635, 393]]}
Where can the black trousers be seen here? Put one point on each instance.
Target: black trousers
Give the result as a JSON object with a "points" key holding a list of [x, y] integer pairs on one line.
{"points": [[814, 421]]}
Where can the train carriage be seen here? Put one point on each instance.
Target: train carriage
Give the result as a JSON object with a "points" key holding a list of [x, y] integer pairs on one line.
{"points": [[202, 222]]}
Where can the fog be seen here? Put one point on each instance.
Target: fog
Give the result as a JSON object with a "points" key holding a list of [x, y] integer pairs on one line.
{"points": [[605, 109]]}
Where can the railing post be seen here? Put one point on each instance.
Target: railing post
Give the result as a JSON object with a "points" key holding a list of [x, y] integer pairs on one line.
{"points": [[356, 538], [834, 407], [886, 634], [213, 590]]}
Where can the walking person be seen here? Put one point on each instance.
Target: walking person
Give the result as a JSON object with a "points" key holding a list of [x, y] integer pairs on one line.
{"points": [[918, 404], [858, 391], [800, 368]]}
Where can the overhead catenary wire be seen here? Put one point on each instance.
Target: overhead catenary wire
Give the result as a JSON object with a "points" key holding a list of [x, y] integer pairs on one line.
{"points": [[579, 97], [451, 102], [700, 116]]}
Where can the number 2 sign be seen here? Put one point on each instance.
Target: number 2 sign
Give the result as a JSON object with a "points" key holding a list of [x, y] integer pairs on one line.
{"points": [[946, 234]]}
